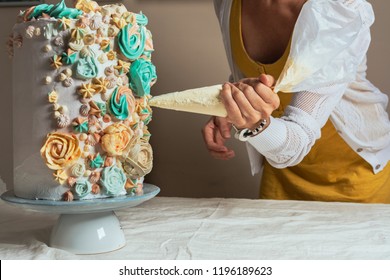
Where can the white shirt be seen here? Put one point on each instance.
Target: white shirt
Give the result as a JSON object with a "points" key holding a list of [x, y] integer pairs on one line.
{"points": [[326, 71]]}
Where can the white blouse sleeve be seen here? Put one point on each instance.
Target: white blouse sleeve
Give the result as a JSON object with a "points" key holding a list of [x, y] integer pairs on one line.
{"points": [[319, 69]]}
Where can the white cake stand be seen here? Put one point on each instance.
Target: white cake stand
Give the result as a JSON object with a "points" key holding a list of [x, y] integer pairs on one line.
{"points": [[85, 226]]}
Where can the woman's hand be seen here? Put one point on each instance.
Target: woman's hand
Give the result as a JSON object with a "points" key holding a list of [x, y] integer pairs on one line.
{"points": [[249, 101], [215, 133]]}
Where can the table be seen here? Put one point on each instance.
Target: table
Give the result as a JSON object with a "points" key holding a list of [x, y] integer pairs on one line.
{"points": [[191, 228]]}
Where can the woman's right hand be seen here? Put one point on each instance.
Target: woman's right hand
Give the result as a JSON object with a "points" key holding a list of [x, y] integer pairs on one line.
{"points": [[215, 133], [250, 101]]}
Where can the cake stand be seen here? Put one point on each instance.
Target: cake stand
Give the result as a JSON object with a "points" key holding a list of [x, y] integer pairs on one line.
{"points": [[85, 226]]}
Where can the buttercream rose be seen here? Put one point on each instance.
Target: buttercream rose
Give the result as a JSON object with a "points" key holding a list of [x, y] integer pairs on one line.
{"points": [[113, 180], [142, 75], [82, 188], [60, 150], [131, 41], [77, 170], [118, 139], [122, 103], [139, 161]]}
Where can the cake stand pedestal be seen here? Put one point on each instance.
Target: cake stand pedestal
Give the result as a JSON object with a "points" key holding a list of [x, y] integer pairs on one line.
{"points": [[85, 226]]}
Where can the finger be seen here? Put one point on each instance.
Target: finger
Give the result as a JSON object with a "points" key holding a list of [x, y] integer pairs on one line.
{"points": [[263, 90], [267, 80], [222, 155], [218, 138], [266, 94], [246, 98], [208, 132], [253, 97], [233, 111], [224, 127]]}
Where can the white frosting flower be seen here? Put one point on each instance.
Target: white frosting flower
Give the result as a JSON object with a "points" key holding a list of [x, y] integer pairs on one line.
{"points": [[113, 180], [82, 188], [77, 170], [30, 31], [139, 161]]}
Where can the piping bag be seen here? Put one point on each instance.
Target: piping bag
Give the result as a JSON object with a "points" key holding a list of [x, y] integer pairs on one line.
{"points": [[203, 100]]}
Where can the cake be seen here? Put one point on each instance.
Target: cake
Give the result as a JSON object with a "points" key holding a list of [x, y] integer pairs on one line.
{"points": [[81, 87]]}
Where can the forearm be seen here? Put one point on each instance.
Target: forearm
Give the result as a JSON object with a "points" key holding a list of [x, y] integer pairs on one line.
{"points": [[288, 139], [285, 143]]}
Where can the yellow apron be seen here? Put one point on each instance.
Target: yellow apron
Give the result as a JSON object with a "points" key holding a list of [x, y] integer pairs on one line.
{"points": [[331, 171]]}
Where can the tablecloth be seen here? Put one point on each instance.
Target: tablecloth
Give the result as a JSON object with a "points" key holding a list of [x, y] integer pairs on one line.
{"points": [[173, 228]]}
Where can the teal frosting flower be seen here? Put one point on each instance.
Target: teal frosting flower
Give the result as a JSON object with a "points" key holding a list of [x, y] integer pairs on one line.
{"points": [[80, 125], [82, 188], [97, 162], [132, 41], [103, 107], [146, 116], [59, 10], [118, 105], [113, 180], [141, 19], [39, 10], [69, 57], [141, 75], [86, 68]]}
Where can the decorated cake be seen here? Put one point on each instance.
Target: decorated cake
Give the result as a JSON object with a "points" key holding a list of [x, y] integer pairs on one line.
{"points": [[81, 88]]}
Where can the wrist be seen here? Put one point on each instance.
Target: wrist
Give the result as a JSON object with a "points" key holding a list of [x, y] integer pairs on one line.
{"points": [[245, 133]]}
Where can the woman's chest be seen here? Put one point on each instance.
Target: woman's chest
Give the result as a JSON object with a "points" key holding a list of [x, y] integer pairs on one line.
{"points": [[267, 29]]}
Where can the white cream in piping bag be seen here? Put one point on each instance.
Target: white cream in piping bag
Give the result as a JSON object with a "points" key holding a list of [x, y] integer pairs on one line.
{"points": [[203, 100]]}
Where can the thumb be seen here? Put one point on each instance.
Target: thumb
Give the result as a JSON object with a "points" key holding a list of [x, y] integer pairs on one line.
{"points": [[267, 80]]}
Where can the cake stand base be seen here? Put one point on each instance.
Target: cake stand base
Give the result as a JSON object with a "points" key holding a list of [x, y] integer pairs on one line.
{"points": [[85, 226], [88, 233]]}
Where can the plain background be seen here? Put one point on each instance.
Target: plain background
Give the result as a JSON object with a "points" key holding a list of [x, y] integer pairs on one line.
{"points": [[189, 53]]}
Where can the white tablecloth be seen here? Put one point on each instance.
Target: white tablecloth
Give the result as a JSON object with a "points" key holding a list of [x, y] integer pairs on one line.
{"points": [[186, 228]]}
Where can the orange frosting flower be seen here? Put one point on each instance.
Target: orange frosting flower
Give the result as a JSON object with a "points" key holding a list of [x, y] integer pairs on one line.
{"points": [[87, 90], [60, 150], [119, 22], [87, 6], [100, 84], [111, 55], [118, 139]]}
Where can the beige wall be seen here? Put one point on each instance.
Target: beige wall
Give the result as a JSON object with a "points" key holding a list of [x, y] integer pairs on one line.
{"points": [[189, 53]]}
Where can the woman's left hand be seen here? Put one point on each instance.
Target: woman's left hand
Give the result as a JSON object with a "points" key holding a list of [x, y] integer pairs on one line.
{"points": [[249, 101]]}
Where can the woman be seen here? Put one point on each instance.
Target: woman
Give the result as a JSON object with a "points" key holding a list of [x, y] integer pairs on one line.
{"points": [[328, 138]]}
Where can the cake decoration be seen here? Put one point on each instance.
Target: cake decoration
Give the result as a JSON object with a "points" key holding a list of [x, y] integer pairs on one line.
{"points": [[97, 80], [113, 180], [60, 150]]}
